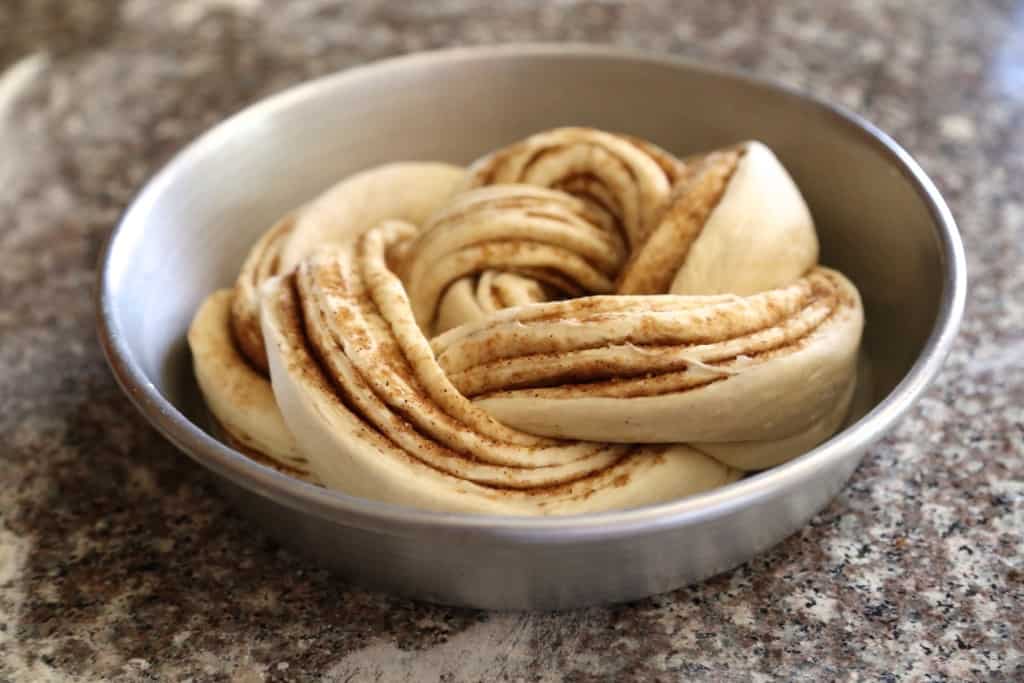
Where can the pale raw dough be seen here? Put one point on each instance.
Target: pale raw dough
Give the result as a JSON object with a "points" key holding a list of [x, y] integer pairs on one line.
{"points": [[433, 337]]}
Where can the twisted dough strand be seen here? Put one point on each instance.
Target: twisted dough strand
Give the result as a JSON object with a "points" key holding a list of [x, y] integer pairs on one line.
{"points": [[587, 323], [226, 338], [625, 178]]}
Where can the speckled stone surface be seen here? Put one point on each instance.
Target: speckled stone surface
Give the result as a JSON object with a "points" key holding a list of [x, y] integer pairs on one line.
{"points": [[119, 561]]}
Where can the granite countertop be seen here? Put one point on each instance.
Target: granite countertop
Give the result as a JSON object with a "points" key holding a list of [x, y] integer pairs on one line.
{"points": [[118, 559]]}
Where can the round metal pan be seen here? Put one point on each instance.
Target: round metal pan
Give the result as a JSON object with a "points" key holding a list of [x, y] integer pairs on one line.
{"points": [[880, 220]]}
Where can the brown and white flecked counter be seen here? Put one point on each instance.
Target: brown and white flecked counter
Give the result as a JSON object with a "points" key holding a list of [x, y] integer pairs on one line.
{"points": [[119, 561]]}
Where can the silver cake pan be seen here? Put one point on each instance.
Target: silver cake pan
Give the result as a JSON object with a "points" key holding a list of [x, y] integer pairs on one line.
{"points": [[880, 219]]}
